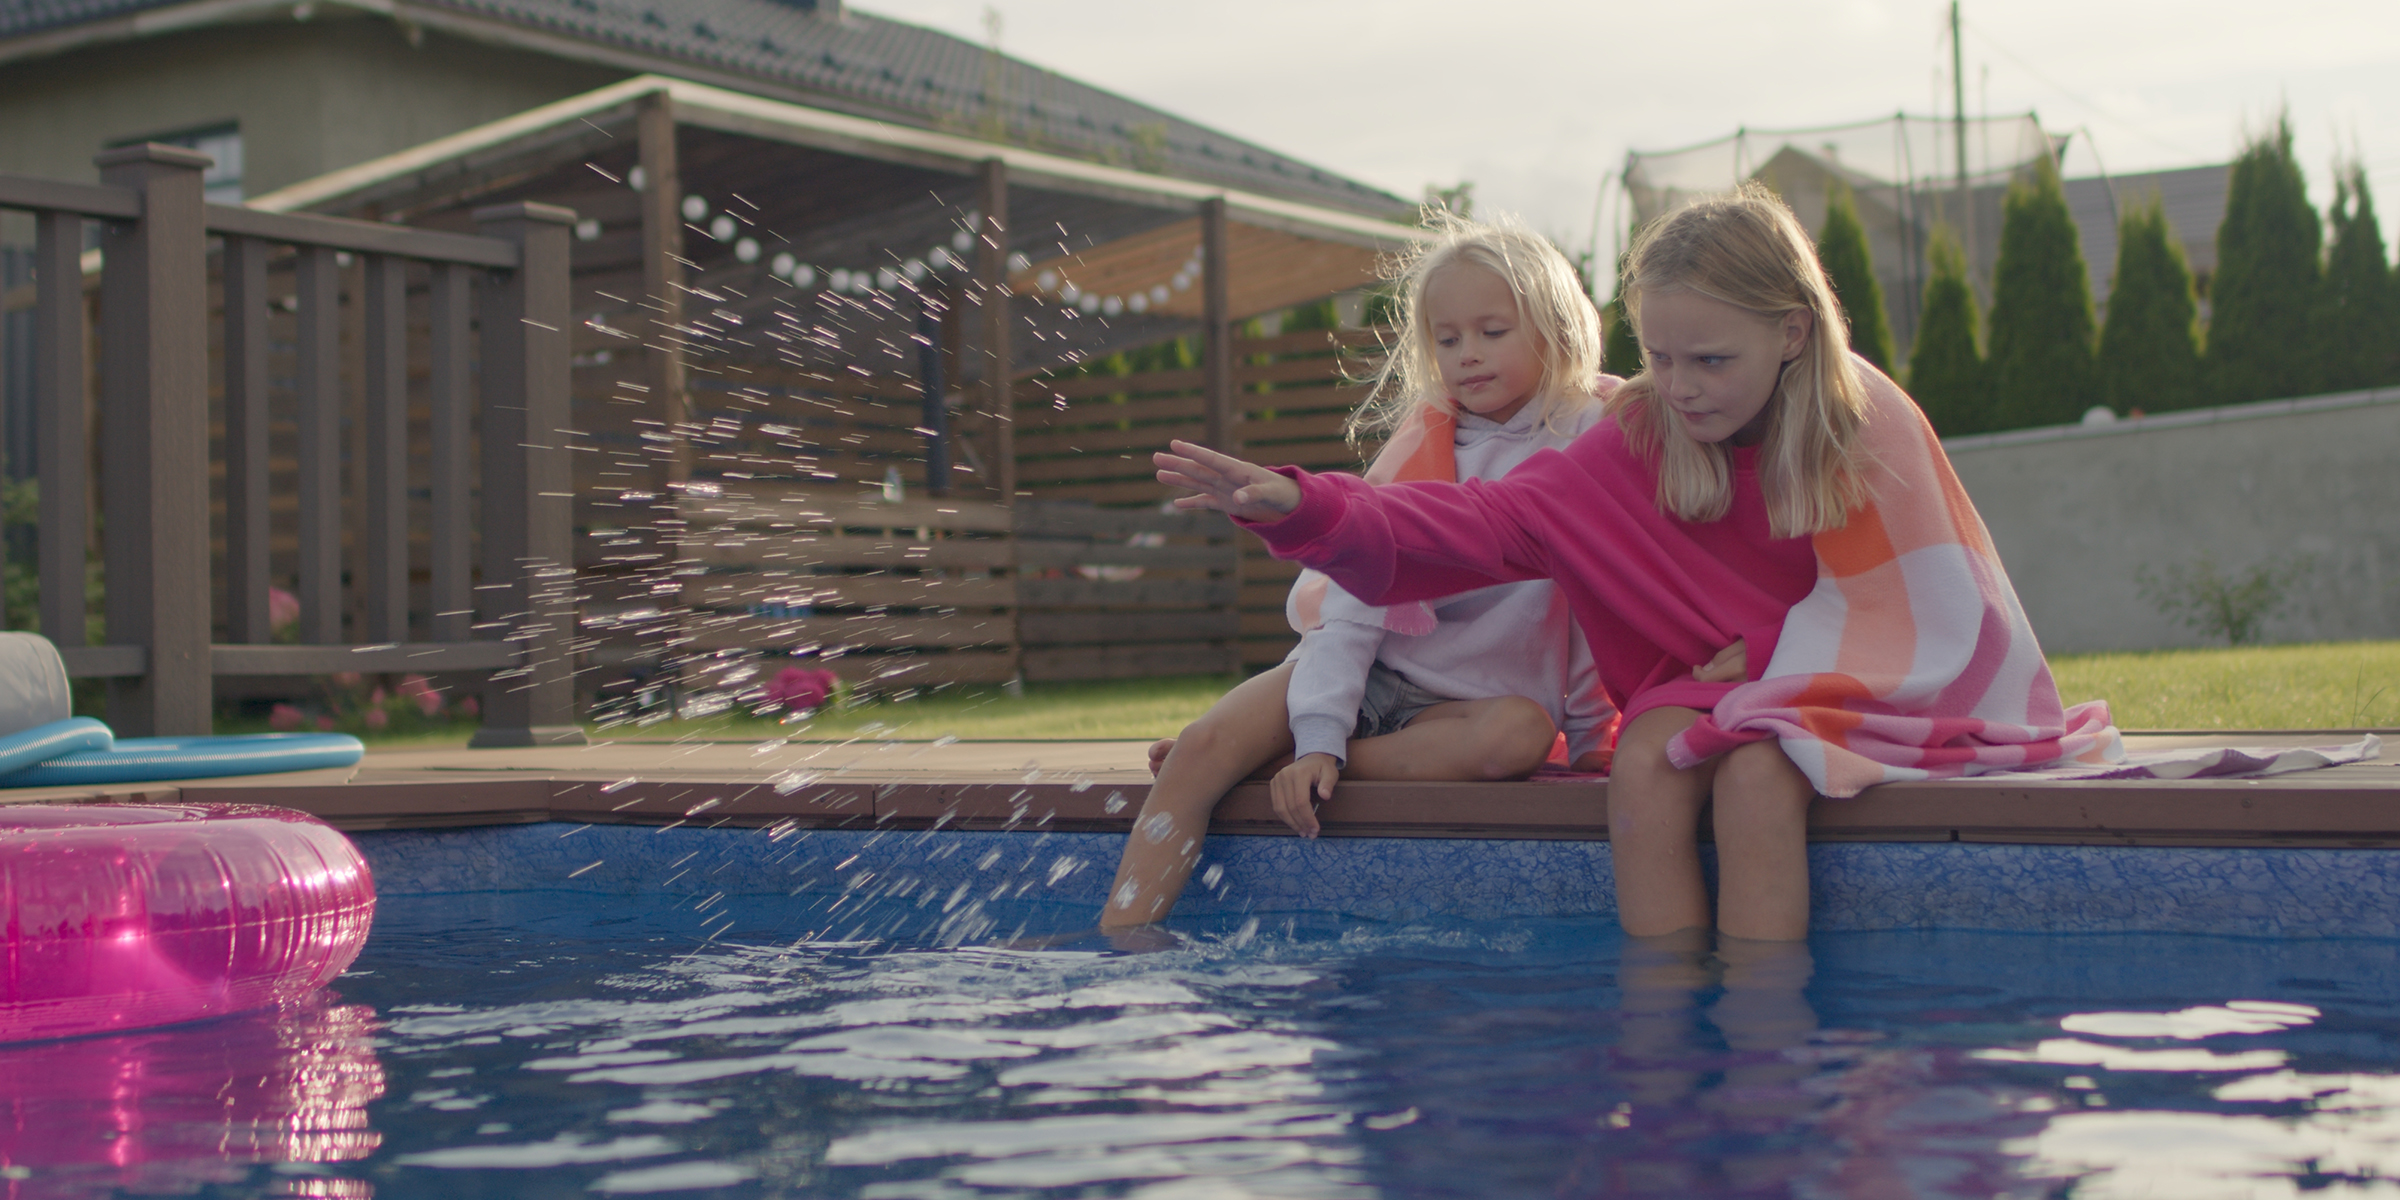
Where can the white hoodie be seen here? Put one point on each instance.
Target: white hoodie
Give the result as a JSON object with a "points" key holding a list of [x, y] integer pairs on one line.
{"points": [[1512, 639]]}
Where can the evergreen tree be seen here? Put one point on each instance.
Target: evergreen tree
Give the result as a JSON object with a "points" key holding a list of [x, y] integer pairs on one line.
{"points": [[1945, 370], [1620, 350], [1850, 265], [2150, 346], [2265, 310], [2041, 332], [2362, 301]]}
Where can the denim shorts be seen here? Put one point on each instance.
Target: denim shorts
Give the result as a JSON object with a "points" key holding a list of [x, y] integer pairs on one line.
{"points": [[1390, 703]]}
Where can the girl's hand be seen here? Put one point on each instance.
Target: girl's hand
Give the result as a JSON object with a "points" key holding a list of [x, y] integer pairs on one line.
{"points": [[1731, 665], [1298, 787], [1226, 484]]}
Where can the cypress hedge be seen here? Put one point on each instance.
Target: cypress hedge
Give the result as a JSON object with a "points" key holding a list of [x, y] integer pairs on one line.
{"points": [[2266, 308], [2041, 329], [2150, 345], [1945, 370], [1620, 352], [1850, 266], [2362, 300]]}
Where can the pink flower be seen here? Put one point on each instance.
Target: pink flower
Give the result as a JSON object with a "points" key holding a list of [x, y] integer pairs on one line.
{"points": [[801, 688], [283, 608], [283, 718], [376, 698], [421, 690], [325, 724], [378, 719], [470, 707], [348, 679]]}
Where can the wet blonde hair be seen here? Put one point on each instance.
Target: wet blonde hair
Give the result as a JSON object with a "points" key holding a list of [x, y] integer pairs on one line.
{"points": [[1745, 249], [1551, 305]]}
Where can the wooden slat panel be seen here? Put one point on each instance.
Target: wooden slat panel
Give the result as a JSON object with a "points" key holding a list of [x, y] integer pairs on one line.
{"points": [[1085, 441], [1038, 519], [1034, 554], [1097, 466], [1127, 662], [1088, 628], [1137, 593], [849, 591], [1104, 412], [765, 502], [422, 657], [881, 631], [246, 464], [61, 423], [739, 549], [1186, 379], [320, 481]]}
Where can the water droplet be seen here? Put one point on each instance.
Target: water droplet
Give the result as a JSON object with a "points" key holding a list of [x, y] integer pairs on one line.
{"points": [[1033, 772], [1083, 783], [1209, 877], [1065, 866], [947, 739], [1156, 827], [1125, 896], [1114, 804], [621, 784]]}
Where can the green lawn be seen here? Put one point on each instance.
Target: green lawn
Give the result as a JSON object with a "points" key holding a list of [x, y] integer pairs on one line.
{"points": [[2328, 685], [2343, 685]]}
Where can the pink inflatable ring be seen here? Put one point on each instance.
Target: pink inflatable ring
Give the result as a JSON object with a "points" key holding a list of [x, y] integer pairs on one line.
{"points": [[116, 917]]}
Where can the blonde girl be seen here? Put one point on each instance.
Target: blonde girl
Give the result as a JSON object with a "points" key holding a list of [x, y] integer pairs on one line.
{"points": [[1758, 485], [1496, 358]]}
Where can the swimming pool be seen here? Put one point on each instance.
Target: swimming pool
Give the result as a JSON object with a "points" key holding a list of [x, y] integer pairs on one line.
{"points": [[673, 1021]]}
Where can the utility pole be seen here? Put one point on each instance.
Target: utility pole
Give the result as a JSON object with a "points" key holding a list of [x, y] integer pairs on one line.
{"points": [[1958, 86]]}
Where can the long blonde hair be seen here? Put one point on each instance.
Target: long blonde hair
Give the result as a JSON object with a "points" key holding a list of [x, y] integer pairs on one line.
{"points": [[1745, 249], [1550, 300]]}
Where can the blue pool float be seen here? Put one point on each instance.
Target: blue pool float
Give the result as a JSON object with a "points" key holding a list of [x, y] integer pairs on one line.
{"points": [[42, 746]]}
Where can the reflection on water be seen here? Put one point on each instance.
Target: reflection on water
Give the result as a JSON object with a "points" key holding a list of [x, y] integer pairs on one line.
{"points": [[538, 1046], [169, 1110]]}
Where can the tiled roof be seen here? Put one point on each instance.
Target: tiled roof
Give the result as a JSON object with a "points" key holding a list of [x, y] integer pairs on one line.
{"points": [[869, 66]]}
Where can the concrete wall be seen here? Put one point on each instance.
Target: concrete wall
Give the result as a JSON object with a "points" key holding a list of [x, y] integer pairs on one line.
{"points": [[310, 96], [2077, 510]]}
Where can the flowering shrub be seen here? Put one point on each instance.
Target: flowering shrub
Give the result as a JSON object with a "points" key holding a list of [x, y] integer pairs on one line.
{"points": [[801, 689], [349, 703]]}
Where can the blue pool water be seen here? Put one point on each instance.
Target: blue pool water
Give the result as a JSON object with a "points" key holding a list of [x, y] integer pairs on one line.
{"points": [[548, 1043]]}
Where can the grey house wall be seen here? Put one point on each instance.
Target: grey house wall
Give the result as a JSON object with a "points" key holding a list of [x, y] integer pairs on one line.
{"points": [[2077, 510], [310, 96]]}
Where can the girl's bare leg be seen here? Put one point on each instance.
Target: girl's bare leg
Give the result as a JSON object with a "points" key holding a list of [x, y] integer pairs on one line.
{"points": [[1654, 828], [1762, 844], [1506, 737], [1247, 727]]}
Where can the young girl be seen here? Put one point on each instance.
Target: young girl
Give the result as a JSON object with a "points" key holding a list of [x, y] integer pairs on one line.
{"points": [[1757, 484], [1498, 352]]}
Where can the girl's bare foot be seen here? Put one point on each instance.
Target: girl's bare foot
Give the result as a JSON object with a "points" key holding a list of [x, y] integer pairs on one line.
{"points": [[1158, 754]]}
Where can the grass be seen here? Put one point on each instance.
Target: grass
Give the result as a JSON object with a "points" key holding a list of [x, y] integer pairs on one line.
{"points": [[2340, 685], [2327, 685]]}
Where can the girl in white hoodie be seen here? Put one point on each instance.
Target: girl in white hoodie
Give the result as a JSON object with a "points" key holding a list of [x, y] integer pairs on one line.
{"points": [[1498, 354]]}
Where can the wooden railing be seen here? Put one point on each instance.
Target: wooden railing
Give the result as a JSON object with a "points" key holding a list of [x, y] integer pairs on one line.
{"points": [[153, 365]]}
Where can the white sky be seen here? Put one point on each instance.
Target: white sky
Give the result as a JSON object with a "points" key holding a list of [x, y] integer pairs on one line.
{"points": [[1537, 101]]}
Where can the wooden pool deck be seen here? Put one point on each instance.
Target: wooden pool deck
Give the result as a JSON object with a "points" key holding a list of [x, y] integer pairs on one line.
{"points": [[1098, 786]]}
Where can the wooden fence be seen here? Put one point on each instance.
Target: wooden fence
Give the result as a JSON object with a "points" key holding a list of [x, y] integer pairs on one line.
{"points": [[918, 592], [495, 363], [1089, 439]]}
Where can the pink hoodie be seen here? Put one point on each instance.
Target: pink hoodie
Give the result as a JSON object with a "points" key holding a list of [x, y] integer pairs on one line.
{"points": [[1655, 595]]}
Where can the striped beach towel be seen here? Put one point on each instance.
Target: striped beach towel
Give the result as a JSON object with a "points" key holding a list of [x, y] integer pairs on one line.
{"points": [[1911, 659]]}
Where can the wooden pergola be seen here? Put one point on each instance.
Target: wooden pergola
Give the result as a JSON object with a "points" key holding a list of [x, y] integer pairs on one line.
{"points": [[1031, 260]]}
